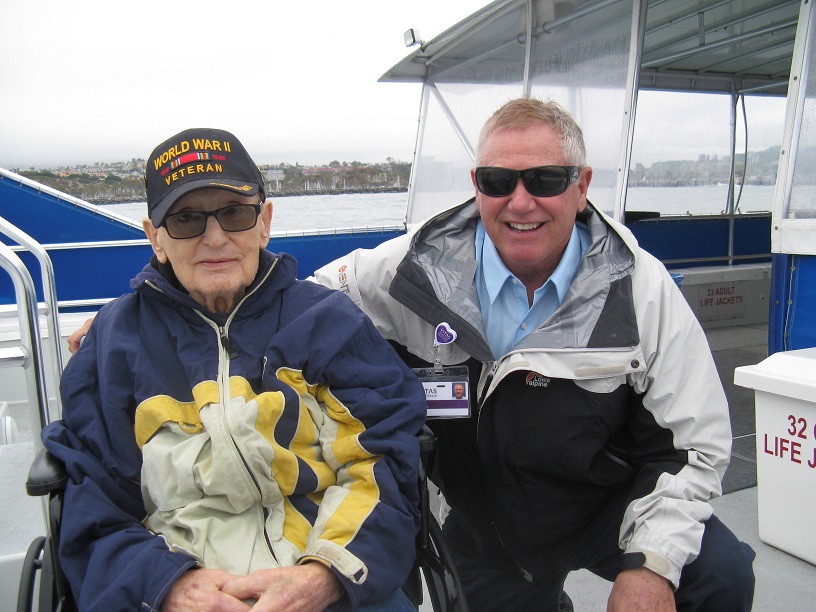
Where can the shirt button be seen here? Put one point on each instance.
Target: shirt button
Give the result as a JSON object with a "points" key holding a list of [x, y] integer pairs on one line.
{"points": [[515, 281], [524, 326]]}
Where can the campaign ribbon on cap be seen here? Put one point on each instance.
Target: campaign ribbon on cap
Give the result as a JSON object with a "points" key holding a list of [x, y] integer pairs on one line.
{"points": [[444, 334]]}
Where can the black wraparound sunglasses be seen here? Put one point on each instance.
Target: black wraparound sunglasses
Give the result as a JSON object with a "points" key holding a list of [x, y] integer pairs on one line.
{"points": [[542, 181], [192, 223]]}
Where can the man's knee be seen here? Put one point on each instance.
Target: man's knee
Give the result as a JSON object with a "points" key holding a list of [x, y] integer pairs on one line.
{"points": [[722, 576]]}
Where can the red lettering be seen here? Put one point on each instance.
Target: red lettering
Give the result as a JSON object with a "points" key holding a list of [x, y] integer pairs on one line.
{"points": [[720, 291], [776, 446], [794, 456], [784, 446], [798, 427], [721, 297], [729, 301]]}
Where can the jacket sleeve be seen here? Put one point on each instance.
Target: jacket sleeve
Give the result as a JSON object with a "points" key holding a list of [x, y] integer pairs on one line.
{"points": [[110, 559], [374, 407], [365, 276], [681, 428]]}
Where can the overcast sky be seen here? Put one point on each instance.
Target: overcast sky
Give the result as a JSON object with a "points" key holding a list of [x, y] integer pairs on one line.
{"points": [[102, 80]]}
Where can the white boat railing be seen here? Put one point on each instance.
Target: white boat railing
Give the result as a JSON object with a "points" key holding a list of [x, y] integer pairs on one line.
{"points": [[29, 353]]}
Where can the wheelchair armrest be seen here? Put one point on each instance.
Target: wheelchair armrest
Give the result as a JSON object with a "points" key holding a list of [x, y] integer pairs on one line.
{"points": [[427, 448], [427, 440], [47, 474]]}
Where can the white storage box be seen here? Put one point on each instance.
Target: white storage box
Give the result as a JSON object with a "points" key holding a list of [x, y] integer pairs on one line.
{"points": [[727, 295], [785, 385]]}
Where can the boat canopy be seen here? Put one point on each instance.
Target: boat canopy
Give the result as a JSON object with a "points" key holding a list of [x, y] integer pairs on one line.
{"points": [[576, 53], [593, 58], [688, 45]]}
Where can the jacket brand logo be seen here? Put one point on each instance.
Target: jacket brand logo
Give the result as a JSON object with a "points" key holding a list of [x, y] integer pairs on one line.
{"points": [[342, 279], [536, 380]]}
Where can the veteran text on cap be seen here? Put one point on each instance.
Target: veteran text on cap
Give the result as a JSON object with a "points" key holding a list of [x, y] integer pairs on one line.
{"points": [[195, 159]]}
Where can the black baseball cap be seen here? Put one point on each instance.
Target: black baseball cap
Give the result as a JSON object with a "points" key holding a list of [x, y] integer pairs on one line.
{"points": [[195, 159]]}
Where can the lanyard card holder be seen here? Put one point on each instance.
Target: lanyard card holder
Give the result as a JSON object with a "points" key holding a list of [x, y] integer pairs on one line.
{"points": [[447, 392]]}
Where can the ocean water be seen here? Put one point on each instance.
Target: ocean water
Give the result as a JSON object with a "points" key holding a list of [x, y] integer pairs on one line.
{"points": [[322, 212], [704, 199], [318, 212]]}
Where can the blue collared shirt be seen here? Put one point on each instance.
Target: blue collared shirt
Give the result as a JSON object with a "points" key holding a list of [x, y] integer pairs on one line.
{"points": [[503, 298]]}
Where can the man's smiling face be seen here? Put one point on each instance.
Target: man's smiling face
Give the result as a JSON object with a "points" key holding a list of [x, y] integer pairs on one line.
{"points": [[530, 233]]}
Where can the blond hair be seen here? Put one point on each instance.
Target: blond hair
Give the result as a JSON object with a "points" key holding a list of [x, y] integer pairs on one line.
{"points": [[527, 112]]}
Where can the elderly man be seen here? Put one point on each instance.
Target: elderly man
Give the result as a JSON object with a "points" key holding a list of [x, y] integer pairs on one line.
{"points": [[234, 438], [603, 429]]}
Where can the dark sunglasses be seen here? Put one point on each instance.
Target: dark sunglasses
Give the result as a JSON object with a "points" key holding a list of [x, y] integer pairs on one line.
{"points": [[543, 181], [192, 223]]}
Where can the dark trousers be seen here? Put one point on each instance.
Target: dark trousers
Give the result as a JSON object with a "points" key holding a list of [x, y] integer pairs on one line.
{"points": [[720, 579]]}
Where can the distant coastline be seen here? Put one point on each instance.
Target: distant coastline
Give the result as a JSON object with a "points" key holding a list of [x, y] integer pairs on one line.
{"points": [[281, 193]]}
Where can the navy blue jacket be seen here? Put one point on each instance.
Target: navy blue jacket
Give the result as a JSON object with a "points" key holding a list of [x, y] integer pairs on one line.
{"points": [[282, 433]]}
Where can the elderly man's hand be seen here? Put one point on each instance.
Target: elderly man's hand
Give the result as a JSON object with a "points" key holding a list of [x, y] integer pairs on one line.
{"points": [[310, 587], [75, 339], [202, 589], [641, 590]]}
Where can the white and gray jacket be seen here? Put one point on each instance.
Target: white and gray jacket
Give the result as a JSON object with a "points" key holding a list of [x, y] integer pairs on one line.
{"points": [[616, 390]]}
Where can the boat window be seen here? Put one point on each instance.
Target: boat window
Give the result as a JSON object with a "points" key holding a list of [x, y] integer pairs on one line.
{"points": [[583, 65], [681, 154], [803, 187], [579, 57], [794, 213]]}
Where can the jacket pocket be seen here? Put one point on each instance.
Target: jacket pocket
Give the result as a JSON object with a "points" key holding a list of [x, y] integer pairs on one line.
{"points": [[171, 460]]}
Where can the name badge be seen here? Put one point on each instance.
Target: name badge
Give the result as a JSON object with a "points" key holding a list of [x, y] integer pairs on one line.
{"points": [[446, 387], [447, 392]]}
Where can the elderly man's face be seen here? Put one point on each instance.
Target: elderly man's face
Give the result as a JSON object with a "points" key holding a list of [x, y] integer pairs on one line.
{"points": [[530, 233], [218, 266]]}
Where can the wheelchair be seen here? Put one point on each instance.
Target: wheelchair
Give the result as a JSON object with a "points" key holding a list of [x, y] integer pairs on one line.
{"points": [[47, 477]]}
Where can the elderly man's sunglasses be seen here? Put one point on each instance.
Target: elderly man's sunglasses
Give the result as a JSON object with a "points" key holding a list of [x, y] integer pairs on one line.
{"points": [[543, 181], [192, 223]]}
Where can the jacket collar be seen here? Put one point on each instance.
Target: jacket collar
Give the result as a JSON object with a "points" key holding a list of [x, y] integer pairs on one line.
{"points": [[435, 281]]}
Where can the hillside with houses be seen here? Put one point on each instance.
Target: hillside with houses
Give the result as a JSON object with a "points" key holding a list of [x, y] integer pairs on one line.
{"points": [[106, 183]]}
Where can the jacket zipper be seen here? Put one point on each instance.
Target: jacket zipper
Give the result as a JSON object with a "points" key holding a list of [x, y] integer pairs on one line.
{"points": [[226, 353]]}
